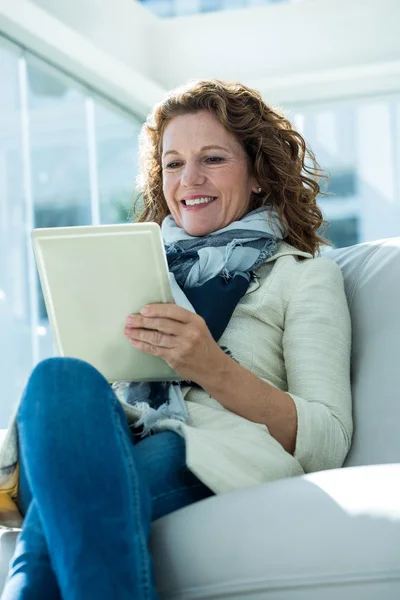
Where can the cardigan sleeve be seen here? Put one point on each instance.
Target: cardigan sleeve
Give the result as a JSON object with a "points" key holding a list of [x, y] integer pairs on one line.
{"points": [[317, 350]]}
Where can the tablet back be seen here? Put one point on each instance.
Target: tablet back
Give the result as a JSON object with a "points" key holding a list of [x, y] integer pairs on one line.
{"points": [[92, 278]]}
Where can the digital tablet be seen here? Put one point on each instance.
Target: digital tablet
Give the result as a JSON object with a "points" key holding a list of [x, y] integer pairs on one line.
{"points": [[92, 278]]}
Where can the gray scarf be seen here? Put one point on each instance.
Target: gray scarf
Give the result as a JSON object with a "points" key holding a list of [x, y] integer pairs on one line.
{"points": [[218, 266]]}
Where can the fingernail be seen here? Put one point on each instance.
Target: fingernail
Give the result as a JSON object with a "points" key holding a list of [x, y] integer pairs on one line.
{"points": [[145, 310]]}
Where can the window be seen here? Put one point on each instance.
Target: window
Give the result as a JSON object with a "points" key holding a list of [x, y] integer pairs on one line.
{"points": [[357, 144], [15, 341], [179, 8], [66, 158]]}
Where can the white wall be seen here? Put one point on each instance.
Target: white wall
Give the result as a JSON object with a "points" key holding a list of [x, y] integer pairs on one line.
{"points": [[277, 40], [295, 53], [124, 28], [71, 40]]}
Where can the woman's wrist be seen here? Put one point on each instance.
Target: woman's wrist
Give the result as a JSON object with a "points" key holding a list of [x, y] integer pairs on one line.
{"points": [[218, 376]]}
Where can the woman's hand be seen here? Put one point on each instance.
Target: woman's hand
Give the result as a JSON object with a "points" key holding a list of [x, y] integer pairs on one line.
{"points": [[179, 336]]}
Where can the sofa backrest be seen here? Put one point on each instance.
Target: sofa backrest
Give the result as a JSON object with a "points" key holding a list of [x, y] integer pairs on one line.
{"points": [[372, 280]]}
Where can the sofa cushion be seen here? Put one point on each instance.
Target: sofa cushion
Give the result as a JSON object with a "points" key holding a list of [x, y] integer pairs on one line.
{"points": [[332, 535], [372, 280]]}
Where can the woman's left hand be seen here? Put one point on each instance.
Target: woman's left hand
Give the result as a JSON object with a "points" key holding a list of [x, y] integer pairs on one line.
{"points": [[179, 336]]}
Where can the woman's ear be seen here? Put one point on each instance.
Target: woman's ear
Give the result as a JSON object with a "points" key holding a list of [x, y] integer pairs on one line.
{"points": [[255, 187]]}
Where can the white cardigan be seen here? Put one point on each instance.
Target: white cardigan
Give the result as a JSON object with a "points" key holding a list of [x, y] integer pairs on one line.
{"points": [[292, 328]]}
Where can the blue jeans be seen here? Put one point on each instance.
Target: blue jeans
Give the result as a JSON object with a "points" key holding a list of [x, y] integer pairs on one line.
{"points": [[89, 490]]}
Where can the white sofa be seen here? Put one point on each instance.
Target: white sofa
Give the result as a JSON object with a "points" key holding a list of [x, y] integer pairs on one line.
{"points": [[325, 536]]}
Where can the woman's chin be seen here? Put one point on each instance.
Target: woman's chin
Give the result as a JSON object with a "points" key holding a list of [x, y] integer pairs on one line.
{"points": [[197, 229], [203, 219]]}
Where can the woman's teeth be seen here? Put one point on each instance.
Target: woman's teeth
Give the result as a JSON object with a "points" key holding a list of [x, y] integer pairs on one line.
{"points": [[199, 201]]}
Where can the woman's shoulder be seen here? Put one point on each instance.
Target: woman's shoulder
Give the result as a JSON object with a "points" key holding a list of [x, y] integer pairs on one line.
{"points": [[302, 261], [290, 268]]}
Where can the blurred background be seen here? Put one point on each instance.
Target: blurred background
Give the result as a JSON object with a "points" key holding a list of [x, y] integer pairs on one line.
{"points": [[78, 78]]}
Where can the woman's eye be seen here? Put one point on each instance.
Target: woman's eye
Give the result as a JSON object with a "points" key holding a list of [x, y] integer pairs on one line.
{"points": [[215, 159]]}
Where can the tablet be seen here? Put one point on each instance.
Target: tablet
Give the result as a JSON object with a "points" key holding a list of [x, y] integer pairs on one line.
{"points": [[92, 278]]}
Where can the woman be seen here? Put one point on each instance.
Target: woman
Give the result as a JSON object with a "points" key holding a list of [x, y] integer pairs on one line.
{"points": [[263, 347]]}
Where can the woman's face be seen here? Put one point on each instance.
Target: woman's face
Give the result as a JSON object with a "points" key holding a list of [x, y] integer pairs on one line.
{"points": [[201, 160]]}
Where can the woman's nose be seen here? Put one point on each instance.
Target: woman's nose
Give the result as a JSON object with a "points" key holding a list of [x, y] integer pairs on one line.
{"points": [[192, 175]]}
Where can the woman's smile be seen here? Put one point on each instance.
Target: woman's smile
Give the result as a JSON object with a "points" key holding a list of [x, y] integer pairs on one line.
{"points": [[197, 202]]}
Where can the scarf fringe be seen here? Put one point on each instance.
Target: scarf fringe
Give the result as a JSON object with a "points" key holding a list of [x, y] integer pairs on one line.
{"points": [[151, 417]]}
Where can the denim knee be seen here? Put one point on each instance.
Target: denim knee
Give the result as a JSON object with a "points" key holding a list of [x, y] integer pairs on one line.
{"points": [[58, 380], [60, 363]]}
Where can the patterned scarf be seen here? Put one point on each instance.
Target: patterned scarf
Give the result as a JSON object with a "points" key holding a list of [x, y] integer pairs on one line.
{"points": [[218, 266]]}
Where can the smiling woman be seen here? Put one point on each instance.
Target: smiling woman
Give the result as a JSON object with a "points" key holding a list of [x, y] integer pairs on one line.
{"points": [[225, 142], [206, 186], [259, 332]]}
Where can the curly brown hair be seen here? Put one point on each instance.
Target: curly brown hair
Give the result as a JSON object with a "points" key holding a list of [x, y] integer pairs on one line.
{"points": [[277, 156]]}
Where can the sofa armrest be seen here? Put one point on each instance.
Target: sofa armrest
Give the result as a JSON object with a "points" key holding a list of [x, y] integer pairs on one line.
{"points": [[332, 534]]}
